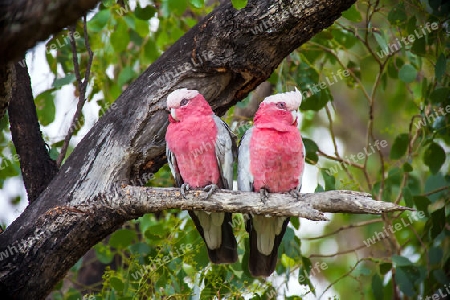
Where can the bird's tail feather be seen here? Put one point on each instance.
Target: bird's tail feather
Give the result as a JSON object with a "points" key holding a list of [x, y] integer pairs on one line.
{"points": [[227, 250], [260, 264]]}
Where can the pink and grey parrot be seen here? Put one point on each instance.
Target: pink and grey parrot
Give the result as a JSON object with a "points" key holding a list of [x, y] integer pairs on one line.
{"points": [[271, 159], [200, 152]]}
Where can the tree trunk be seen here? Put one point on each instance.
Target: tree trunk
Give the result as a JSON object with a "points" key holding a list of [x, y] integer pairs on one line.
{"points": [[227, 55]]}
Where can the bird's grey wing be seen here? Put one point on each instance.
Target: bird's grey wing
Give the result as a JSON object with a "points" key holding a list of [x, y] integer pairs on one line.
{"points": [[172, 161], [299, 186], [226, 152], [244, 175]]}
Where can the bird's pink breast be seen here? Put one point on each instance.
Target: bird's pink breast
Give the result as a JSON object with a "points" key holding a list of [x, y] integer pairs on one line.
{"points": [[193, 143], [276, 159]]}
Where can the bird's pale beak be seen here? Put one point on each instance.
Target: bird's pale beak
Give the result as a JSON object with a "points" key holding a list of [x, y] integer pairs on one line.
{"points": [[173, 114], [294, 114]]}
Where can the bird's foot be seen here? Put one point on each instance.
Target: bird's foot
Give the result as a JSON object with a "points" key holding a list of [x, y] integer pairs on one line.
{"points": [[264, 195], [295, 193], [183, 189], [210, 189]]}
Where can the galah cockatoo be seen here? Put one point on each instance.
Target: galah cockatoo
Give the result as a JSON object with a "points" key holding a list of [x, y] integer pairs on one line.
{"points": [[200, 152], [271, 159]]}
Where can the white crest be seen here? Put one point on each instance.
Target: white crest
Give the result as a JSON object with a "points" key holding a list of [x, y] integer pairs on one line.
{"points": [[174, 98], [292, 99]]}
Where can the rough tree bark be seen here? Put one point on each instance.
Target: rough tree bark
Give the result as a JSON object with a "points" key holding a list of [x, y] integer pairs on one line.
{"points": [[23, 23], [72, 213]]}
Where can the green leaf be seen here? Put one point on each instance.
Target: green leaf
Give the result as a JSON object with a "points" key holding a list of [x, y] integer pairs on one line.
{"points": [[439, 95], [303, 274], [145, 13], [352, 14], [401, 261], [407, 195], [53, 153], [291, 244], [197, 3], [156, 234], [98, 22], [377, 287], [407, 73], [120, 37], [381, 40], [434, 157], [103, 253], [403, 281], [319, 188], [435, 255], [439, 70], [295, 222], [178, 7], [422, 203], [418, 47], [59, 82], [126, 75], [385, 268], [45, 107], [116, 283], [407, 167], [438, 222], [320, 95], [142, 29], [397, 14], [122, 238], [238, 4], [412, 25], [399, 147], [440, 276], [329, 180], [311, 151]]}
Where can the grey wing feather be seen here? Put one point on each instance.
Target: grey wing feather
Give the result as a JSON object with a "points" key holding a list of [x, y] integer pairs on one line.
{"points": [[226, 152], [299, 187], [172, 161], [245, 177]]}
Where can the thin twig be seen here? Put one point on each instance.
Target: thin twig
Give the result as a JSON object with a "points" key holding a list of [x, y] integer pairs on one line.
{"points": [[339, 159], [338, 253], [360, 224], [436, 191], [82, 85], [341, 277]]}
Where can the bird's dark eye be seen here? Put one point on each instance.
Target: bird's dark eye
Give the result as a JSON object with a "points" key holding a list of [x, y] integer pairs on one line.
{"points": [[184, 102], [281, 105]]}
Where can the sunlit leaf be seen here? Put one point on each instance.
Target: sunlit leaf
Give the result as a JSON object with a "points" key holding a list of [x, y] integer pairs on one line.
{"points": [[352, 14], [238, 4]]}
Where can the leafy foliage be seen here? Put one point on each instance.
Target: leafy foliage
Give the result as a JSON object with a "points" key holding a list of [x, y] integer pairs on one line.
{"points": [[378, 74]]}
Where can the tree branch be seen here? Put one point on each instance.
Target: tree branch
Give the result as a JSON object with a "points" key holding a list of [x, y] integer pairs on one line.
{"points": [[23, 23], [311, 206], [38, 169]]}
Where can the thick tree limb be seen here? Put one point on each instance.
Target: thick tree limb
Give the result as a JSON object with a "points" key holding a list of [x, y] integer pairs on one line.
{"points": [[311, 206], [7, 76], [38, 169], [23, 23], [243, 48]]}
